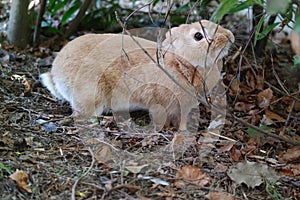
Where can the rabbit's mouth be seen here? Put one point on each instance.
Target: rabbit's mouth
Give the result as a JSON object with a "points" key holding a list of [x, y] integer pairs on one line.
{"points": [[221, 46]]}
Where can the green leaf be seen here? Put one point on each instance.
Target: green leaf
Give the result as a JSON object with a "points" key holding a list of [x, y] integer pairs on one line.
{"points": [[58, 5], [251, 131], [3, 167], [277, 6], [266, 30], [297, 24], [48, 30], [241, 5], [258, 28], [224, 8], [296, 60], [68, 14]]}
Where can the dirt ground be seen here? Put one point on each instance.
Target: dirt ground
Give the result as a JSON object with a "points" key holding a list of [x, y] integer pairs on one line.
{"points": [[60, 158]]}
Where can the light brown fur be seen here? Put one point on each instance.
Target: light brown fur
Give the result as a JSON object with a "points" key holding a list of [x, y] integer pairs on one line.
{"points": [[91, 73]]}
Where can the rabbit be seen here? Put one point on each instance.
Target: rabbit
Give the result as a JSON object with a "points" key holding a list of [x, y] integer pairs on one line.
{"points": [[97, 73]]}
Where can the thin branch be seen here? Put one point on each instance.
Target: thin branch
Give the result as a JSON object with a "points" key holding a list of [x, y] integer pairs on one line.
{"points": [[151, 58], [219, 111], [289, 116], [76, 21], [36, 33], [89, 169]]}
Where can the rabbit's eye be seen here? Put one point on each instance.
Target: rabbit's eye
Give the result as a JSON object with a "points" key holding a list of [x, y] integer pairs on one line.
{"points": [[198, 36]]}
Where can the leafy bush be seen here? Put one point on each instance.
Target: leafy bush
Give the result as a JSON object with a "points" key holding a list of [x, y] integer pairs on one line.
{"points": [[101, 14], [286, 11]]}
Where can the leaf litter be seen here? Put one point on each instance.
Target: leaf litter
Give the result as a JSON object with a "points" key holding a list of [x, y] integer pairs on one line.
{"points": [[52, 152]]}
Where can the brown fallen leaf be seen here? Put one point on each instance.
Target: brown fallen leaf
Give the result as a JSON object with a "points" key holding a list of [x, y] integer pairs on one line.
{"points": [[291, 155], [234, 87], [264, 98], [274, 116], [292, 170], [266, 121], [21, 178], [255, 117], [219, 196], [226, 147], [289, 102], [235, 154], [180, 143], [251, 80], [220, 168], [243, 106], [296, 170], [260, 82], [103, 153], [191, 174], [27, 85]]}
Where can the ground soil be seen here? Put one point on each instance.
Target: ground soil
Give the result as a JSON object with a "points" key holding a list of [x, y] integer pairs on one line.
{"points": [[101, 159]]}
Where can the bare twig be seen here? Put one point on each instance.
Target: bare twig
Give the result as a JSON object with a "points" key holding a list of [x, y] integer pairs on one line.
{"points": [[74, 24], [89, 169], [289, 116], [221, 136], [219, 111], [296, 143], [151, 58], [277, 78], [36, 33], [279, 91]]}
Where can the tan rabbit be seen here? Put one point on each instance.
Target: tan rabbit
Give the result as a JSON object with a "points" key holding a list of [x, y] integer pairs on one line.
{"points": [[101, 72]]}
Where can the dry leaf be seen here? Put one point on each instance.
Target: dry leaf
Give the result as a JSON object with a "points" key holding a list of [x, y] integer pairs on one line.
{"points": [[235, 154], [191, 174], [226, 147], [266, 121], [27, 85], [264, 98], [251, 80], [273, 116], [178, 139], [181, 142], [103, 153], [135, 168], [291, 155], [252, 173], [289, 101], [141, 197], [21, 178], [219, 196], [296, 170], [259, 83], [243, 107], [235, 87], [220, 168], [292, 170], [255, 118]]}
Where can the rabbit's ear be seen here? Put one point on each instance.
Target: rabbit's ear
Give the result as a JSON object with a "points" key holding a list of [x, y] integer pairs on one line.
{"points": [[170, 36], [174, 34]]}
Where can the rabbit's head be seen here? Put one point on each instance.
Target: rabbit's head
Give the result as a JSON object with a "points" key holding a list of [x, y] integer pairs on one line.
{"points": [[201, 43]]}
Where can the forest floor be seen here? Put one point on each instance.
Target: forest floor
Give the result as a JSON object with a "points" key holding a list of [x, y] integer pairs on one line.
{"points": [[45, 154]]}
